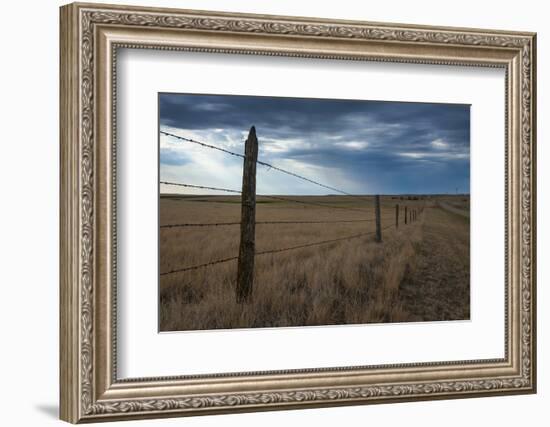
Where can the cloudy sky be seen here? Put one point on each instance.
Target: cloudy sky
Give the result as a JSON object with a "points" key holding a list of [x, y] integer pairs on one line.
{"points": [[361, 147]]}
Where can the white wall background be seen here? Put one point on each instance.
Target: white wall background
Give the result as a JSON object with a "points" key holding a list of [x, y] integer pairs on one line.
{"points": [[29, 170]]}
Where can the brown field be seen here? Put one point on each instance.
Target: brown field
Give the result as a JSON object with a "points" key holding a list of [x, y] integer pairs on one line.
{"points": [[419, 272]]}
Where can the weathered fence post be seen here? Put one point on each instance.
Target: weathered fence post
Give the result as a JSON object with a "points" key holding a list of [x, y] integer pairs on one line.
{"points": [[245, 268], [377, 213], [397, 216], [405, 215]]}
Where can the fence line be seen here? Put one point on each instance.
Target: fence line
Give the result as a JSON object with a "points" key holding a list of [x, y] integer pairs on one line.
{"points": [[272, 251], [221, 224], [269, 165], [247, 252], [269, 196]]}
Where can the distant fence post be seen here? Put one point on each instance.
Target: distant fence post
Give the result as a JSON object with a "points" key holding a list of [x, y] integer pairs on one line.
{"points": [[397, 216], [377, 213], [245, 268], [405, 215]]}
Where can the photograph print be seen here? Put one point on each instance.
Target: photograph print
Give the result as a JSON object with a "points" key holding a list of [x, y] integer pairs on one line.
{"points": [[288, 212]]}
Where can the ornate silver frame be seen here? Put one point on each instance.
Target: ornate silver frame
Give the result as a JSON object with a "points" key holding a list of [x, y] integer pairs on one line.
{"points": [[90, 35]]}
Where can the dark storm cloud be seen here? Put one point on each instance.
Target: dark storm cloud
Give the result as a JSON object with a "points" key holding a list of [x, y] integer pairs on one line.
{"points": [[396, 147]]}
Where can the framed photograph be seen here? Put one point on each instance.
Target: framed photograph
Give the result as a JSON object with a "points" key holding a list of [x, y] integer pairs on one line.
{"points": [[266, 212]]}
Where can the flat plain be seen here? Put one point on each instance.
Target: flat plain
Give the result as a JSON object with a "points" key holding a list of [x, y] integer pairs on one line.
{"points": [[419, 272]]}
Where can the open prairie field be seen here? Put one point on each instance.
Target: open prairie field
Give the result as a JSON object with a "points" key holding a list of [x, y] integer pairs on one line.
{"points": [[419, 272]]}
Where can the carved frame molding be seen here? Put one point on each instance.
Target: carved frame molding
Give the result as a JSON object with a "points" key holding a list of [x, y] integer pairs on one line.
{"points": [[90, 35]]}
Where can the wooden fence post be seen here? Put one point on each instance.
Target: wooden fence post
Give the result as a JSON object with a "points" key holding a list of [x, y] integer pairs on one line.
{"points": [[245, 268], [377, 213], [405, 215], [397, 216]]}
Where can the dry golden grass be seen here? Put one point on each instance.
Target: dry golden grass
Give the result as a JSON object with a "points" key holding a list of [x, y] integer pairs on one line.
{"points": [[348, 282]]}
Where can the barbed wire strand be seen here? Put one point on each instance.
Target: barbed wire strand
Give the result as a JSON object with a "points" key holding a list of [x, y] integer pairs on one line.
{"points": [[201, 187], [221, 224], [306, 179], [286, 199], [204, 224], [269, 165], [307, 245], [271, 251], [202, 144], [323, 205], [194, 267]]}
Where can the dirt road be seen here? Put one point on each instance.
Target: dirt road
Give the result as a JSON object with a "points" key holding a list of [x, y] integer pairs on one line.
{"points": [[450, 208], [438, 285]]}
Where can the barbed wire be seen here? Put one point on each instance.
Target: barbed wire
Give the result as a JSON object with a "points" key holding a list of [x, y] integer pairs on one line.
{"points": [[194, 267], [271, 251], [203, 144], [269, 165], [286, 199], [306, 179], [323, 205], [204, 224], [221, 224], [201, 187], [307, 245]]}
